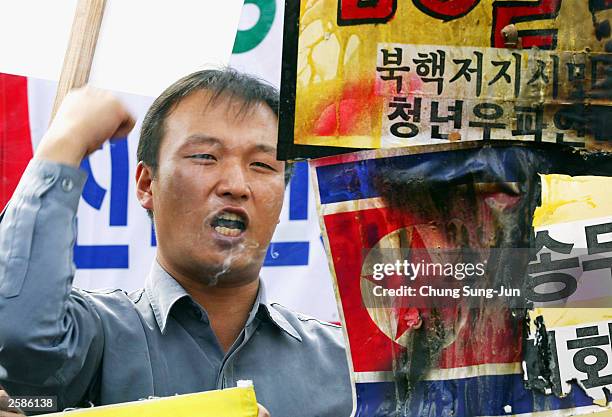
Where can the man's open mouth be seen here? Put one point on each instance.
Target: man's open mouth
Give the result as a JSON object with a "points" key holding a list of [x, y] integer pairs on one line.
{"points": [[229, 224]]}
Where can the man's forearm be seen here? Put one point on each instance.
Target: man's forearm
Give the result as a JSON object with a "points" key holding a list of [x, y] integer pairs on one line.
{"points": [[40, 317], [47, 330]]}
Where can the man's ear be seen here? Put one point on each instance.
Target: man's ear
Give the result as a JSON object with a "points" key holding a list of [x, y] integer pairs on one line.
{"points": [[144, 179]]}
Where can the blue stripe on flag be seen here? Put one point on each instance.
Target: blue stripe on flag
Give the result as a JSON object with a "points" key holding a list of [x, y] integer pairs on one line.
{"points": [[356, 180], [464, 398]]}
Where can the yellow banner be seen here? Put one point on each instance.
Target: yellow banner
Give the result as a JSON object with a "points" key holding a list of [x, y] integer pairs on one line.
{"points": [[576, 216], [232, 402], [400, 73]]}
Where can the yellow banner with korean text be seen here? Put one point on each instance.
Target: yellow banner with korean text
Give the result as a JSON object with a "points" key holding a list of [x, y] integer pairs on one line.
{"points": [[574, 224], [372, 74]]}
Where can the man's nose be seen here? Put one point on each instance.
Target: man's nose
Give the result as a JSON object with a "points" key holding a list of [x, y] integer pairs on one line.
{"points": [[233, 183]]}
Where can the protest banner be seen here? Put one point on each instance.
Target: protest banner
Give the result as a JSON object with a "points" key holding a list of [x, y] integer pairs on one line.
{"points": [[383, 74], [464, 356], [230, 402]]}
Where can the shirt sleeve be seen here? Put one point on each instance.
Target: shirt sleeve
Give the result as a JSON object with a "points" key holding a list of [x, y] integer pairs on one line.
{"points": [[51, 337]]}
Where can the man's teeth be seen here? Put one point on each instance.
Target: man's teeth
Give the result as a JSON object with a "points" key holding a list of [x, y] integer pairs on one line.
{"points": [[226, 231], [229, 224], [231, 216]]}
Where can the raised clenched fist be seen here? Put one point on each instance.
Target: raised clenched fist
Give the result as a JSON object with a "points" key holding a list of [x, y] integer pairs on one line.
{"points": [[85, 120]]}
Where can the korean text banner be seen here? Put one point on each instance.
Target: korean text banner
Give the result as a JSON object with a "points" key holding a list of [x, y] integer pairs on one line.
{"points": [[575, 212], [376, 74], [454, 359]]}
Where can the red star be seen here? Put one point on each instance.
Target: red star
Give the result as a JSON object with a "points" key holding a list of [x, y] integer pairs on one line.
{"points": [[408, 318]]}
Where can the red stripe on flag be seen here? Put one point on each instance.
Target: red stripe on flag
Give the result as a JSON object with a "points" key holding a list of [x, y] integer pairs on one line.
{"points": [[15, 137]]}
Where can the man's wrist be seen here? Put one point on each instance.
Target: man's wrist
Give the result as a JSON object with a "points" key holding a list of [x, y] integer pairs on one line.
{"points": [[60, 151]]}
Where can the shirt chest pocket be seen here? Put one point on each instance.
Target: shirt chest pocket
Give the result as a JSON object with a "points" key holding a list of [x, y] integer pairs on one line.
{"points": [[16, 235]]}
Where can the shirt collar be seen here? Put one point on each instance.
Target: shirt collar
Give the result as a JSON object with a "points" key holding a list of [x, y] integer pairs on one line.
{"points": [[271, 313], [164, 291]]}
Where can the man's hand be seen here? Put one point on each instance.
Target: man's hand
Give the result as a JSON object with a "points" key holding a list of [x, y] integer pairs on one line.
{"points": [[5, 410], [262, 411], [85, 120]]}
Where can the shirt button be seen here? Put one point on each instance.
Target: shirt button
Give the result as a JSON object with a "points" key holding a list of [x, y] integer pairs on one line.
{"points": [[67, 184]]}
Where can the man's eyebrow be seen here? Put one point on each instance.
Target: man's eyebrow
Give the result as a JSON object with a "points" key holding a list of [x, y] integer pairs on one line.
{"points": [[198, 139], [265, 148]]}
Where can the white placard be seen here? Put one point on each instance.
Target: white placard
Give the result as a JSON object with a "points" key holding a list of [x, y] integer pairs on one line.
{"points": [[143, 45], [34, 35], [146, 45]]}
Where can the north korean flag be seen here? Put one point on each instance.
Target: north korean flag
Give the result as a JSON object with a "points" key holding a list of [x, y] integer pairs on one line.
{"points": [[415, 361]]}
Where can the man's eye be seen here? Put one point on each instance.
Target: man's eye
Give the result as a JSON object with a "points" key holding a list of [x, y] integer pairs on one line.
{"points": [[263, 165], [205, 156]]}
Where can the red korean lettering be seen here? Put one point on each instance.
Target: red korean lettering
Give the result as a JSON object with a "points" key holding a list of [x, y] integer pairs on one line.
{"points": [[446, 9], [357, 12], [506, 13]]}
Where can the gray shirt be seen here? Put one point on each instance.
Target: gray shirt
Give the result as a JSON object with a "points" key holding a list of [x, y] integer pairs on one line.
{"points": [[111, 347]]}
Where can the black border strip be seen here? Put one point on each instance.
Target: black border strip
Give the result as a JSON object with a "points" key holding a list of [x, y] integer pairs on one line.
{"points": [[287, 149], [286, 111]]}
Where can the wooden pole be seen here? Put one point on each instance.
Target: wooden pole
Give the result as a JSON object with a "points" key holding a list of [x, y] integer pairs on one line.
{"points": [[81, 48]]}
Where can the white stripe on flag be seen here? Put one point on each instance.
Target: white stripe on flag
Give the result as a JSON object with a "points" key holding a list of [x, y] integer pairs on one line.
{"points": [[487, 369]]}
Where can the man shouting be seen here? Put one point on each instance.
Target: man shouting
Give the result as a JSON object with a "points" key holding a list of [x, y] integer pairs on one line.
{"points": [[207, 174]]}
